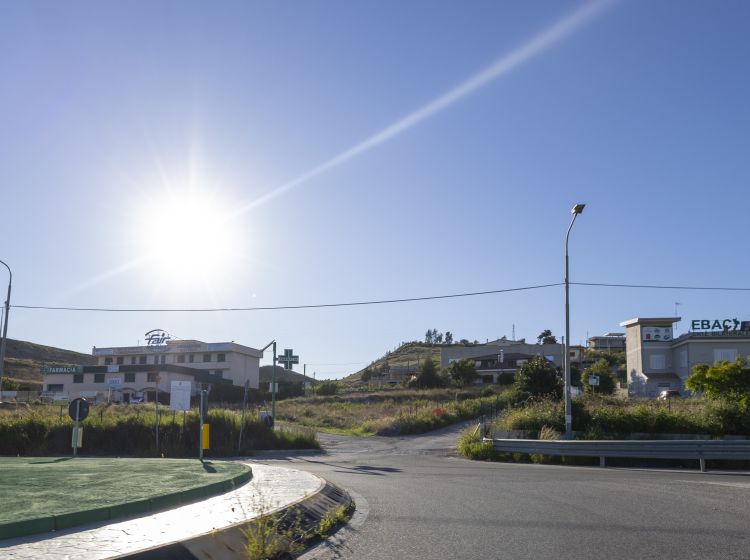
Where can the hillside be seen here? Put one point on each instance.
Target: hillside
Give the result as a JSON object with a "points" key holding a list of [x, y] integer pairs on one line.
{"points": [[410, 353], [24, 360], [282, 374]]}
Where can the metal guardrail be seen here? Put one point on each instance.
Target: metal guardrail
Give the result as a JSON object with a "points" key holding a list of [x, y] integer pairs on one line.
{"points": [[731, 450]]}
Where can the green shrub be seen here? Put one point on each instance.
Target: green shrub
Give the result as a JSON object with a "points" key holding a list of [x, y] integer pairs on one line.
{"points": [[327, 388], [471, 446]]}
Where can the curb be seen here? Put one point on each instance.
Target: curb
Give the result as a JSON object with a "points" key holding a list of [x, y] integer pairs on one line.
{"points": [[229, 543], [157, 503]]}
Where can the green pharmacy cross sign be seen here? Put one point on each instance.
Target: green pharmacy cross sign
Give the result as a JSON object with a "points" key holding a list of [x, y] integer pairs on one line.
{"points": [[288, 359]]}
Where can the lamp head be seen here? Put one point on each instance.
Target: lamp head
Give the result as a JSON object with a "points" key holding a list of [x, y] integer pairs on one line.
{"points": [[578, 209]]}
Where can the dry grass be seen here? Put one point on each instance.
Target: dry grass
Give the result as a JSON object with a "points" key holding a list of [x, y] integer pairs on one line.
{"points": [[386, 412]]}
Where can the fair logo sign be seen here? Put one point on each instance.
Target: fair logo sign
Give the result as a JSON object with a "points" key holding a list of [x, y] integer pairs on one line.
{"points": [[157, 337]]}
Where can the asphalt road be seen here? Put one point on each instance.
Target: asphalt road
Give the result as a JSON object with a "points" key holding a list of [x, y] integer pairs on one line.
{"points": [[417, 499]]}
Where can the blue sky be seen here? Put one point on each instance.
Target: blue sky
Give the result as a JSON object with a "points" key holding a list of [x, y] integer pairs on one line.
{"points": [[112, 114]]}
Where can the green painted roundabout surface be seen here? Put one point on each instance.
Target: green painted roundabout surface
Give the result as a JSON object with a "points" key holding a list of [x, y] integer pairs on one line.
{"points": [[46, 493]]}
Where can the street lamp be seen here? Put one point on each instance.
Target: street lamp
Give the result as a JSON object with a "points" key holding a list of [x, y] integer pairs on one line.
{"points": [[5, 330], [577, 209]]}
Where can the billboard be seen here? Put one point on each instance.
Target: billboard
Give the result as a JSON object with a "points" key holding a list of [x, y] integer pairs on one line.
{"points": [[657, 334]]}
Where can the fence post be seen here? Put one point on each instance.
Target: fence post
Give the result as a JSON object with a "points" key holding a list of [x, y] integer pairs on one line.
{"points": [[602, 462], [703, 464]]}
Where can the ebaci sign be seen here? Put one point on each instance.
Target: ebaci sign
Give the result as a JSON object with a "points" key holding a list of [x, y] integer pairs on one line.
{"points": [[719, 325]]}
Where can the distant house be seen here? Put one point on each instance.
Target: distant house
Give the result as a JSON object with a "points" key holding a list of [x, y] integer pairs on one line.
{"points": [[608, 342], [499, 367], [502, 349]]}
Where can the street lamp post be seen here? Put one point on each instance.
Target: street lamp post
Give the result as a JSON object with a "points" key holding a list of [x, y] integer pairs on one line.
{"points": [[577, 209], [5, 330]]}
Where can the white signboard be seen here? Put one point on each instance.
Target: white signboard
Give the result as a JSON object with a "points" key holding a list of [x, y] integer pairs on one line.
{"points": [[657, 334], [593, 380], [114, 368], [179, 396], [115, 382]]}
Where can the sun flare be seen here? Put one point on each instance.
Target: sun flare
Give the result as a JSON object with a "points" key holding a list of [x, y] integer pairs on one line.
{"points": [[187, 236]]}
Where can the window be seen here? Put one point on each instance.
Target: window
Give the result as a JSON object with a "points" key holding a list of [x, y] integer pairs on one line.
{"points": [[219, 373], [163, 359], [181, 359], [725, 354], [206, 358], [129, 378], [107, 361], [141, 359], [55, 387], [152, 377], [77, 378], [657, 361], [191, 358], [120, 360], [98, 378], [132, 360], [156, 360], [221, 357]]}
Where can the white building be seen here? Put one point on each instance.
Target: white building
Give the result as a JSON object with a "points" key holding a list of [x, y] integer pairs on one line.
{"points": [[123, 373]]}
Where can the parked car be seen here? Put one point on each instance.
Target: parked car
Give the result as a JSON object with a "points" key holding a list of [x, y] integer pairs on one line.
{"points": [[669, 394]]}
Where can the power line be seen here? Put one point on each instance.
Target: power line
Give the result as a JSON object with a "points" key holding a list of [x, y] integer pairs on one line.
{"points": [[658, 287], [376, 302], [280, 307], [340, 364]]}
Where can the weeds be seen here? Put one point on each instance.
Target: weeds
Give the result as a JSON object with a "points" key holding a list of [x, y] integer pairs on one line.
{"points": [[131, 430]]}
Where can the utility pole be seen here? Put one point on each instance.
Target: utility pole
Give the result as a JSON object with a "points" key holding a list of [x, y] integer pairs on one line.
{"points": [[5, 329], [273, 380]]}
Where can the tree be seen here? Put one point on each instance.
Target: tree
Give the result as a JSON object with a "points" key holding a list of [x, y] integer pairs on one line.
{"points": [[366, 375], [438, 338], [448, 337], [464, 341], [538, 377], [428, 336], [723, 380], [463, 372], [602, 370], [613, 358], [10, 384], [428, 376], [327, 388], [546, 337]]}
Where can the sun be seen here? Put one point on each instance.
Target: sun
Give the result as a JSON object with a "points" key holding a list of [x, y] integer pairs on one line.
{"points": [[187, 236]]}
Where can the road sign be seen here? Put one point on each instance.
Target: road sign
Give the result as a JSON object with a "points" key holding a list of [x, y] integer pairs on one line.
{"points": [[79, 407], [288, 359], [593, 380], [179, 396]]}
